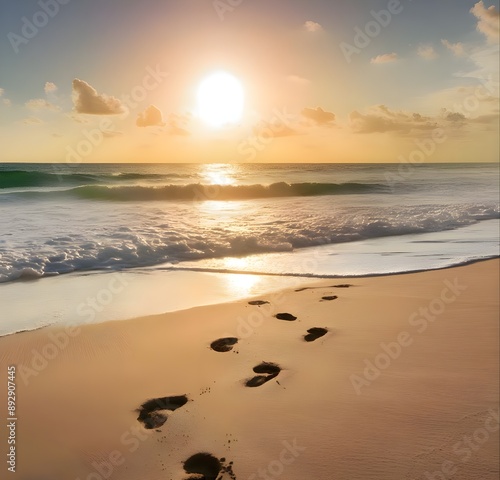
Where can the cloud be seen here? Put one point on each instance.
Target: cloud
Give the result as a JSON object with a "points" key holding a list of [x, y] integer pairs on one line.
{"points": [[50, 87], [385, 58], [87, 100], [41, 104], [470, 100], [77, 118], [176, 125], [454, 117], [380, 119], [151, 117], [318, 116], [175, 130], [7, 102], [488, 20], [427, 52], [458, 48], [313, 27], [32, 121], [2, 91], [297, 80], [111, 133], [491, 118], [459, 120]]}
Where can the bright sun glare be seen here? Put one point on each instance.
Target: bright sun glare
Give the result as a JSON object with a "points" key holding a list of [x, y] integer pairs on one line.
{"points": [[220, 99]]}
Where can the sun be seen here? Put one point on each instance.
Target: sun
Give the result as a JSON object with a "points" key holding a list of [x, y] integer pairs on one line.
{"points": [[220, 99]]}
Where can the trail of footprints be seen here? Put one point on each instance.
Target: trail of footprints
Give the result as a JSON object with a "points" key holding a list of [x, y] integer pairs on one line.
{"points": [[203, 465]]}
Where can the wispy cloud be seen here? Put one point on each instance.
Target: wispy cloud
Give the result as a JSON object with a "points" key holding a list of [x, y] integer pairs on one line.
{"points": [[458, 48], [427, 52], [32, 121], [381, 119], [177, 125], [313, 27], [36, 104], [318, 116], [385, 58], [50, 87]]}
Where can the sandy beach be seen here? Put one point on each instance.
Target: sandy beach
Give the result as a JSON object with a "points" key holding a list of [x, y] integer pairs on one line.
{"points": [[392, 377], [250, 240]]}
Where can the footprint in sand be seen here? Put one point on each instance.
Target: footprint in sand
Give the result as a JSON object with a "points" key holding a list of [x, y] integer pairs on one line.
{"points": [[286, 316], [258, 302], [329, 298], [149, 413], [224, 344], [315, 333], [267, 372], [205, 466]]}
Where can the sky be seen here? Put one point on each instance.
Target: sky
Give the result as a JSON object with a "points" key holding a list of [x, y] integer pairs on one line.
{"points": [[316, 81]]}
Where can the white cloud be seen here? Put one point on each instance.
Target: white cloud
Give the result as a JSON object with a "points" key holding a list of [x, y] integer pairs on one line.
{"points": [[313, 27], [488, 20], [458, 48], [2, 91], [385, 58], [7, 102], [87, 100], [427, 52], [41, 104], [150, 117], [50, 87]]}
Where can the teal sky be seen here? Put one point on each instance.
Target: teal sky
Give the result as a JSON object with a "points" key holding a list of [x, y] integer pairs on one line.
{"points": [[428, 65]]}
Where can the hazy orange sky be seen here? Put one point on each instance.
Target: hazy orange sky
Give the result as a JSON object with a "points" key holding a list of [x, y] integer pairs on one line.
{"points": [[323, 81]]}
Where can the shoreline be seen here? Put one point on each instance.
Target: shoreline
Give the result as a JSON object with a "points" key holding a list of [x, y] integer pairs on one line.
{"points": [[339, 277], [396, 372], [62, 306]]}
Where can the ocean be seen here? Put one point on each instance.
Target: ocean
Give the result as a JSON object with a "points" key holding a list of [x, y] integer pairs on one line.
{"points": [[93, 243], [297, 219]]}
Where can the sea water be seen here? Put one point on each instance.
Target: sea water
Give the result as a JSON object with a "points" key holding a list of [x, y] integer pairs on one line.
{"points": [[281, 219]]}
